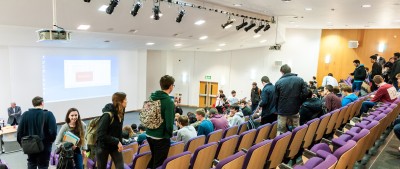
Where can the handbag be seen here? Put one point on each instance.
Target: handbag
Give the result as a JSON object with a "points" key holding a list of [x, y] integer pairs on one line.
{"points": [[33, 144]]}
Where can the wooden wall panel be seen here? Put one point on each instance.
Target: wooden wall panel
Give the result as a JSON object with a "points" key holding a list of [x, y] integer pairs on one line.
{"points": [[334, 42]]}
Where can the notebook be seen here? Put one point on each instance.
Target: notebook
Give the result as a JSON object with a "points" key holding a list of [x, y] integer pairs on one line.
{"points": [[70, 137]]}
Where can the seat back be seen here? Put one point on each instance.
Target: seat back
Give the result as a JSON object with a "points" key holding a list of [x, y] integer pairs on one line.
{"points": [[232, 162], [195, 142], [310, 134], [262, 133], [176, 148], [127, 155], [348, 112], [344, 153], [242, 128], [332, 122], [214, 136], [246, 139], [180, 161], [230, 131], [274, 130], [140, 161], [276, 155], [359, 149], [225, 147], [323, 124], [203, 156], [295, 141], [329, 163], [143, 148], [339, 120], [134, 146], [256, 155]]}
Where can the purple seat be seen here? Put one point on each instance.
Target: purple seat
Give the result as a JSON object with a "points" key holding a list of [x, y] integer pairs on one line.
{"points": [[262, 133], [214, 136], [91, 164], [140, 161], [295, 141], [246, 139], [143, 148], [230, 131], [343, 154], [255, 156], [232, 162], [342, 140], [225, 147], [275, 155], [206, 154], [310, 134], [180, 161], [242, 128], [317, 162], [195, 142]]}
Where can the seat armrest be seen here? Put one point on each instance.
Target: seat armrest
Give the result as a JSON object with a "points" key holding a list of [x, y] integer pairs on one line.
{"points": [[284, 166], [309, 154], [338, 133], [324, 140]]}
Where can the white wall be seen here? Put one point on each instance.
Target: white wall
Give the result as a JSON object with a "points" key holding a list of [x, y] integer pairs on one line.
{"points": [[236, 70], [21, 76]]}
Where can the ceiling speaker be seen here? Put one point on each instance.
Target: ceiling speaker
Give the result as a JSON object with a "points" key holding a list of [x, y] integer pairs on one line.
{"points": [[353, 44]]}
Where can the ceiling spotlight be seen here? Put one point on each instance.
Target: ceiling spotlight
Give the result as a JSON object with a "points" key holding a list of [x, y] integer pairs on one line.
{"points": [[267, 26], [243, 24], [252, 24], [110, 8], [259, 28], [156, 11], [227, 25], [136, 8], [86, 1], [180, 16]]}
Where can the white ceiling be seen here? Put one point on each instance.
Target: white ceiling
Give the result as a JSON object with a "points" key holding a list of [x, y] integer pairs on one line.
{"points": [[20, 19]]}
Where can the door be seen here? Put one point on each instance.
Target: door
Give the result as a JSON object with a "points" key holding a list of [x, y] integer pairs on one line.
{"points": [[207, 93]]}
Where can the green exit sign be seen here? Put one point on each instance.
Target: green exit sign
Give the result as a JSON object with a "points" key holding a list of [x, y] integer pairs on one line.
{"points": [[207, 77]]}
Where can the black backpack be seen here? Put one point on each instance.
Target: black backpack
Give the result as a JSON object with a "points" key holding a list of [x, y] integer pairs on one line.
{"points": [[66, 156]]}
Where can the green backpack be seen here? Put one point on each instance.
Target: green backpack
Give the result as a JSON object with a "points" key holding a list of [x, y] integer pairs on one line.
{"points": [[91, 131]]}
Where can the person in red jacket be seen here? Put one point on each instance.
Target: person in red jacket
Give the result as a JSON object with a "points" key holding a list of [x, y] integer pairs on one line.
{"points": [[386, 93]]}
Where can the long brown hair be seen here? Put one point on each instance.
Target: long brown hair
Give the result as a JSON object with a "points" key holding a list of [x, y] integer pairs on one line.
{"points": [[117, 100], [78, 126]]}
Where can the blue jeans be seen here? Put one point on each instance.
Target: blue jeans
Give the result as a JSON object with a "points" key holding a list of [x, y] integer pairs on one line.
{"points": [[78, 159], [40, 160], [356, 86], [396, 128], [366, 105], [396, 84]]}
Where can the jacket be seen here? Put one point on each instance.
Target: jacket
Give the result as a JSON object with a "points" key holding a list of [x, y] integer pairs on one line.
{"points": [[376, 70], [109, 134], [395, 70], [167, 113], [14, 115], [246, 111], [310, 109], [360, 73], [255, 95], [31, 123], [219, 122], [332, 102], [290, 93], [268, 100], [64, 128], [348, 99], [237, 119]]}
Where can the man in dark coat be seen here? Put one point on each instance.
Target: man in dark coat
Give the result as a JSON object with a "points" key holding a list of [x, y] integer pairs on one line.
{"points": [[290, 93], [267, 103], [359, 76], [376, 70], [395, 70]]}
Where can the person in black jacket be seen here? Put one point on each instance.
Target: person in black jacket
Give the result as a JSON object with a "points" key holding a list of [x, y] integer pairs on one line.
{"points": [[109, 132], [376, 70], [359, 76], [395, 70], [290, 93], [255, 96], [310, 109], [267, 103], [31, 124]]}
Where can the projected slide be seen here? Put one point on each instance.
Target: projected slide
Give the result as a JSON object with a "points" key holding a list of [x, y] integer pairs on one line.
{"points": [[73, 77]]}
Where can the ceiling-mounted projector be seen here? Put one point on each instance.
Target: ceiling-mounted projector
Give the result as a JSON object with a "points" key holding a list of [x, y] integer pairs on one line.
{"points": [[275, 47], [46, 34]]}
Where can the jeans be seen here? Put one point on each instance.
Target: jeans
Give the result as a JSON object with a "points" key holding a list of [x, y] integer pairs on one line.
{"points": [[356, 86], [102, 157], [292, 121], [253, 106], [366, 105], [159, 151], [40, 160], [78, 159], [396, 128]]}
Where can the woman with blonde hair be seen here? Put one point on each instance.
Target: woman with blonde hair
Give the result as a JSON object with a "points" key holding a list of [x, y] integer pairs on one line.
{"points": [[74, 125]]}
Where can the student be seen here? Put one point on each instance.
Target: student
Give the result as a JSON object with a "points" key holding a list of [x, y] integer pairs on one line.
{"points": [[329, 80], [205, 127], [237, 116], [109, 132], [255, 96], [127, 135], [376, 70], [245, 109], [332, 102], [385, 93], [348, 95], [310, 109], [32, 124], [142, 134], [159, 139], [186, 132], [134, 128], [359, 76], [74, 124], [232, 100], [267, 103], [218, 120]]}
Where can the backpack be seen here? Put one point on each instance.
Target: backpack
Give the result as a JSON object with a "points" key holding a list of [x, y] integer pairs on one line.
{"points": [[66, 157], [150, 115], [91, 131]]}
